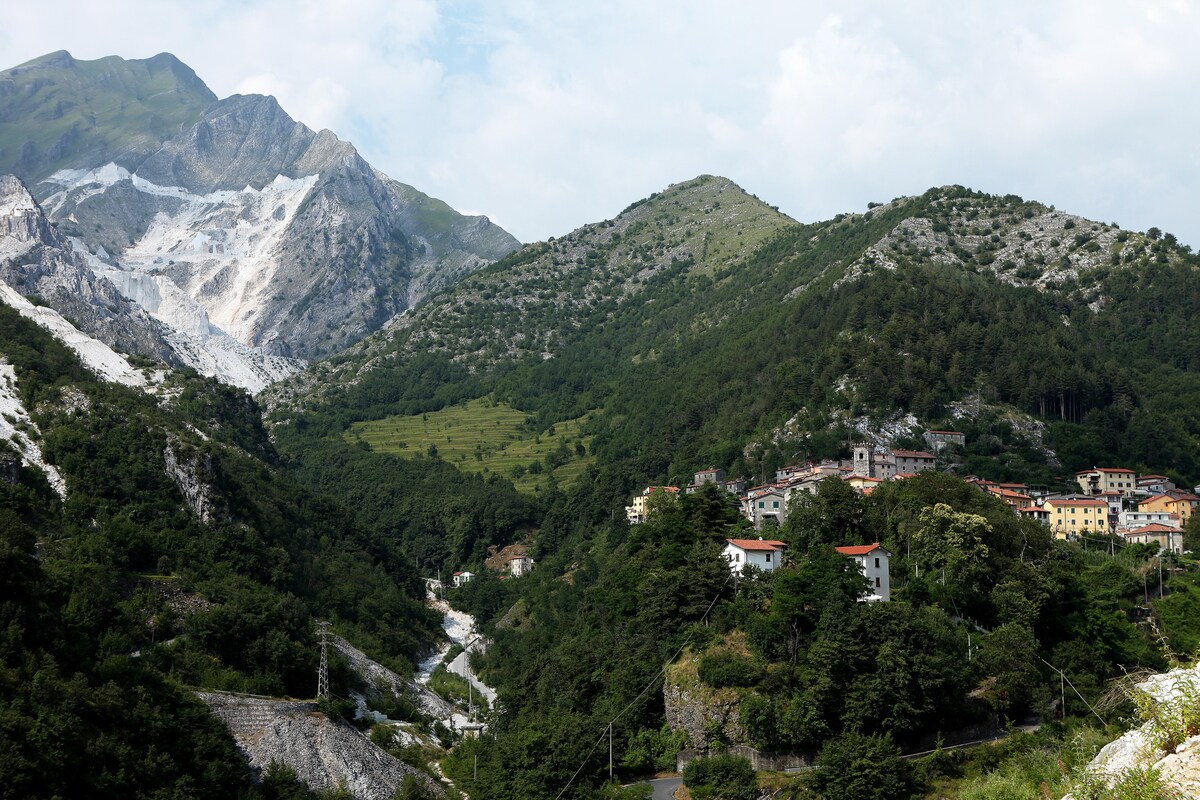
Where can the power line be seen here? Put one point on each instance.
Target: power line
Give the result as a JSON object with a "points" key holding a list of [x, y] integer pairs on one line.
{"points": [[659, 674]]}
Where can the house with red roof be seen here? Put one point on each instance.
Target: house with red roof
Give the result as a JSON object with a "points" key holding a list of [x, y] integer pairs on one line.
{"points": [[1154, 484], [1167, 537], [1074, 516], [1099, 480], [462, 578], [873, 561], [1175, 502], [762, 554]]}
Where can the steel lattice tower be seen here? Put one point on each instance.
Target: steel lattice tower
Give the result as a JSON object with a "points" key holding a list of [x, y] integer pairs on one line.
{"points": [[323, 670]]}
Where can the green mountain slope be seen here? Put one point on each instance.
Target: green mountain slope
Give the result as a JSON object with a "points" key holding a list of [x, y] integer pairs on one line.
{"points": [[1026, 327], [57, 110], [182, 555], [707, 353]]}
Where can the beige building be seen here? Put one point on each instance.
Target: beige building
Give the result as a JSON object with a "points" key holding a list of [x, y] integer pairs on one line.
{"points": [[1101, 480], [1182, 503]]}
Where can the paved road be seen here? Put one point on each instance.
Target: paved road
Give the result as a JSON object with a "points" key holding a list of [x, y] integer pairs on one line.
{"points": [[664, 788]]}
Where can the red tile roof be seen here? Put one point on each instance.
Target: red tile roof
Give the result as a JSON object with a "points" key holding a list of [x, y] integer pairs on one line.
{"points": [[1156, 527], [1069, 503], [1104, 469], [860, 550]]}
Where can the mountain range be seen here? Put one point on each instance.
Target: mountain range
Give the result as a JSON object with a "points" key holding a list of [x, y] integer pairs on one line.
{"points": [[251, 237], [166, 254]]}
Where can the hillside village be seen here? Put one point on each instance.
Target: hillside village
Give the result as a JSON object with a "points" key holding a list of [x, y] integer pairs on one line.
{"points": [[1110, 501]]}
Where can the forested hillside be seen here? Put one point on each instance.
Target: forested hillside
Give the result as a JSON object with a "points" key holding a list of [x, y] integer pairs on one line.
{"points": [[691, 352], [178, 527], [1054, 342]]}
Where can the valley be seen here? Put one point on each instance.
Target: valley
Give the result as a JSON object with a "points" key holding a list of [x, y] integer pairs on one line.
{"points": [[312, 486]]}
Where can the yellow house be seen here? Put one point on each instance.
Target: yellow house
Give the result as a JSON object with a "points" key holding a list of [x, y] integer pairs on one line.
{"points": [[862, 482], [1077, 516], [1010, 498], [1182, 504], [640, 510]]}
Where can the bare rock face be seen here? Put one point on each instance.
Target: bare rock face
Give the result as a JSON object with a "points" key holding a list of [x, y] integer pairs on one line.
{"points": [[325, 753], [710, 718], [193, 474], [36, 261]]}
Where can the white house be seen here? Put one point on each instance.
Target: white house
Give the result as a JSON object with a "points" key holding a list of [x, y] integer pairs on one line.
{"points": [[873, 560], [520, 565], [462, 577], [765, 554]]}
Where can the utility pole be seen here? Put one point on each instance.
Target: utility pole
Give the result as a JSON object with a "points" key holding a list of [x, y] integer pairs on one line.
{"points": [[323, 670]]}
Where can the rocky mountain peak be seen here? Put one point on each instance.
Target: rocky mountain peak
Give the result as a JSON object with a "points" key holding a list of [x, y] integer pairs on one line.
{"points": [[243, 140]]}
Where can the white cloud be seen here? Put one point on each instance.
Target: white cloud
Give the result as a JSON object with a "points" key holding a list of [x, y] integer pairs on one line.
{"points": [[550, 115]]}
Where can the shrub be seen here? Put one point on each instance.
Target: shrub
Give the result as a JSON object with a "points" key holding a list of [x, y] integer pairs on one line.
{"points": [[723, 668], [720, 777], [856, 766]]}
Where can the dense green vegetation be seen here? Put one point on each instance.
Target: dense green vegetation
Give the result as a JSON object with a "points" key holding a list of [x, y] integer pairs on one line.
{"points": [[93, 698], [681, 367], [811, 668], [1063, 354]]}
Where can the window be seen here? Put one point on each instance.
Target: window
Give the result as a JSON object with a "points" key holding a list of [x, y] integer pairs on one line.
{"points": [[877, 564], [762, 503], [877, 583], [775, 504], [768, 556]]}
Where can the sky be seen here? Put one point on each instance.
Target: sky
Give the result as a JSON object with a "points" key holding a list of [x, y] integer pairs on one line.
{"points": [[549, 115]]}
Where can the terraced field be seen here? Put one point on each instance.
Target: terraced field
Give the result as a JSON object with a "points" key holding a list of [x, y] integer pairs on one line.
{"points": [[485, 437]]}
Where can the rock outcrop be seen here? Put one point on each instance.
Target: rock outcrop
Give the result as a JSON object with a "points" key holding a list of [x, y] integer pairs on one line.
{"points": [[1169, 740], [708, 717], [325, 753]]}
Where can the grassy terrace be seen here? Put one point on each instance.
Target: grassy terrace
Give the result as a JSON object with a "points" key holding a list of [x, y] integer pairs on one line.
{"points": [[481, 436]]}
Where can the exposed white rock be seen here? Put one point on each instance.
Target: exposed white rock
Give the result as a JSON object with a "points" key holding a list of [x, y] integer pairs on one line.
{"points": [[204, 269], [1140, 748], [95, 355], [16, 426]]}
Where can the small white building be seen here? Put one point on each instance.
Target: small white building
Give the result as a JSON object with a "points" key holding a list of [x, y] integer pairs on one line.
{"points": [[765, 554], [461, 578], [873, 561], [520, 565]]}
